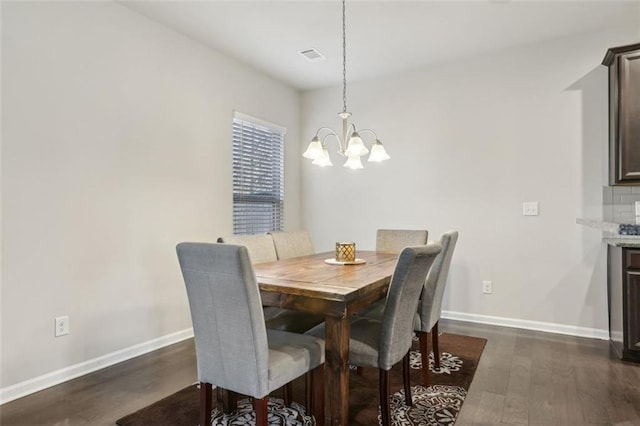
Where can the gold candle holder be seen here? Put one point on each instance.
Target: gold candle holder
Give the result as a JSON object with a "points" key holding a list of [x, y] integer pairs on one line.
{"points": [[345, 252]]}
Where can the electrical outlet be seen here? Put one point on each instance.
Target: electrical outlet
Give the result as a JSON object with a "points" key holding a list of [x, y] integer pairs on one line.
{"points": [[487, 287], [530, 208], [62, 326]]}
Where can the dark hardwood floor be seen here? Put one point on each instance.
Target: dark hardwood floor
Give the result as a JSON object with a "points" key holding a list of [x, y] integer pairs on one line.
{"points": [[524, 378], [533, 378]]}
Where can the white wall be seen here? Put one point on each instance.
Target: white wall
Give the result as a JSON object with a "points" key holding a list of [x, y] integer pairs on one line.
{"points": [[469, 142], [116, 145]]}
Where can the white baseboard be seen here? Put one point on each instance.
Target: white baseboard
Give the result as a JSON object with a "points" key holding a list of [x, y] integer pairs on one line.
{"points": [[617, 336], [36, 384], [547, 327]]}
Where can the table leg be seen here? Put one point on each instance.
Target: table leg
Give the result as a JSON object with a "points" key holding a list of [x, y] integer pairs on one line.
{"points": [[337, 369]]}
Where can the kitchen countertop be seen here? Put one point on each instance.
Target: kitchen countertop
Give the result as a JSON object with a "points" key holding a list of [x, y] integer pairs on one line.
{"points": [[631, 241], [611, 232]]}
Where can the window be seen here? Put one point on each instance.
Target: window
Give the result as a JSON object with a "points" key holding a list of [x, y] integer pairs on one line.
{"points": [[258, 176]]}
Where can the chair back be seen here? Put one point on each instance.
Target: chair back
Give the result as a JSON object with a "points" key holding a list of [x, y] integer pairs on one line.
{"points": [[402, 302], [394, 240], [226, 310], [433, 293], [260, 246], [292, 244]]}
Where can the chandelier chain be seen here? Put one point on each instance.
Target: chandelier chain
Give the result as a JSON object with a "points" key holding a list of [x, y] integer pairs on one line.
{"points": [[344, 58]]}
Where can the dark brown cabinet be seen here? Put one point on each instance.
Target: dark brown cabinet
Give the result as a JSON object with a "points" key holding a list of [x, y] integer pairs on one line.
{"points": [[624, 302], [624, 114], [633, 313]]}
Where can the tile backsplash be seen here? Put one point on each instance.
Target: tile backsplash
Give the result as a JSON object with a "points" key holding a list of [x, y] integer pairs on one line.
{"points": [[619, 203]]}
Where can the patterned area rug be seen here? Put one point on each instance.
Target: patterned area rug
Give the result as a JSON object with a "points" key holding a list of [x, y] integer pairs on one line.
{"points": [[279, 414], [437, 404]]}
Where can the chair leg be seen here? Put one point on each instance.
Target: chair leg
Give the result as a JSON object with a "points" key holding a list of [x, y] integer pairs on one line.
{"points": [[227, 399], [286, 394], [220, 398], [260, 407], [406, 369], [436, 350], [317, 400], [223, 399], [205, 404], [308, 394], [384, 398], [424, 354], [233, 401]]}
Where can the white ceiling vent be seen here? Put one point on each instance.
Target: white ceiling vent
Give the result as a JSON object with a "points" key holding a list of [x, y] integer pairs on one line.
{"points": [[312, 55]]}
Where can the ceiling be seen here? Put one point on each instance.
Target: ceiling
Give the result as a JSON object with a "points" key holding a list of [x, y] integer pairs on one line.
{"points": [[383, 37]]}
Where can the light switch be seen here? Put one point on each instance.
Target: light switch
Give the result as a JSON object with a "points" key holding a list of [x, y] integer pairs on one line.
{"points": [[530, 208]]}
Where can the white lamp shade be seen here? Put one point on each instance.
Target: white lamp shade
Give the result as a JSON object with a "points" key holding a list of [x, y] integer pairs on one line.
{"points": [[314, 150], [324, 160], [355, 146], [378, 153], [353, 162]]}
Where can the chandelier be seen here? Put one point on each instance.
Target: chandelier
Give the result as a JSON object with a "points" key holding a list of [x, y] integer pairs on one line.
{"points": [[351, 145]]}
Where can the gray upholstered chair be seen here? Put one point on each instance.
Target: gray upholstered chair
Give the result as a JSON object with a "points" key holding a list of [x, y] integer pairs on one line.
{"points": [[260, 246], [234, 349], [430, 306], [288, 245], [292, 244], [383, 343], [262, 249], [394, 240]]}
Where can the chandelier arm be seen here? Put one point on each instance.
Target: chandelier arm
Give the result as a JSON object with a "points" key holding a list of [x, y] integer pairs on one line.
{"points": [[369, 131], [331, 132], [329, 129]]}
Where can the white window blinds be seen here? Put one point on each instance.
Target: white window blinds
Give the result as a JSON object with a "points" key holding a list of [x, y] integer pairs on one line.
{"points": [[258, 176]]}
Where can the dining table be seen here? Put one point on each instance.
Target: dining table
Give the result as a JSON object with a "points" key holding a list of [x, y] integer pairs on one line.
{"points": [[337, 291]]}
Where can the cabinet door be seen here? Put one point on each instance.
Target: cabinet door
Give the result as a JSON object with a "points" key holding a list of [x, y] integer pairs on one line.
{"points": [[632, 312], [628, 117]]}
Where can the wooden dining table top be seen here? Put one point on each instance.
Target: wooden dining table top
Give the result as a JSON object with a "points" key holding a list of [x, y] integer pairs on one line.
{"points": [[311, 276]]}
